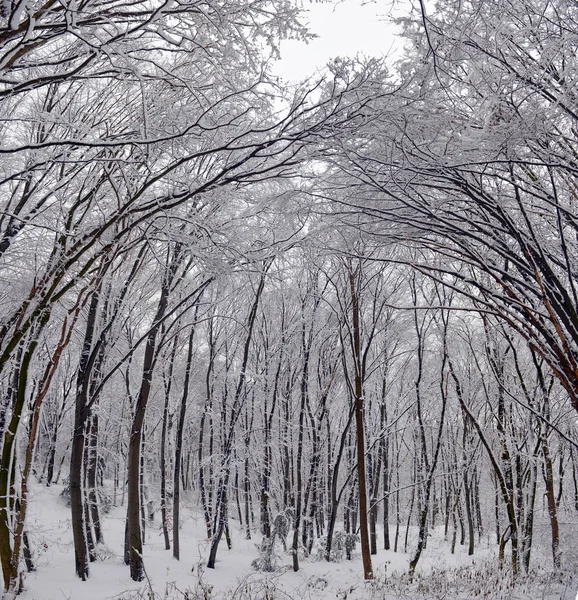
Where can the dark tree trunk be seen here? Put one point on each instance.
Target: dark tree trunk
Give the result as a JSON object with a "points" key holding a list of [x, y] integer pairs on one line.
{"points": [[134, 508], [163, 454], [81, 414], [179, 445], [163, 469], [469, 515], [431, 467], [221, 503], [208, 407], [17, 397], [268, 415], [334, 497], [91, 478], [360, 430], [300, 435], [551, 500]]}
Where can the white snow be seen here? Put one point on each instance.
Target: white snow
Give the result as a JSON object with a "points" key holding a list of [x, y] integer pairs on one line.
{"points": [[441, 575]]}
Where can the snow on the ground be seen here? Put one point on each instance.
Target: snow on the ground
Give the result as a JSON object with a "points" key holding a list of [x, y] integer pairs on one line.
{"points": [[234, 578]]}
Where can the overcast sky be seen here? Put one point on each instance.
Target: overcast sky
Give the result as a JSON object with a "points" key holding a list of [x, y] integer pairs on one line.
{"points": [[344, 28]]}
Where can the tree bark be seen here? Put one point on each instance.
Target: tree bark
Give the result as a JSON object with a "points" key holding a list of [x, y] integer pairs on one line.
{"points": [[81, 414], [135, 537], [179, 445], [360, 430]]}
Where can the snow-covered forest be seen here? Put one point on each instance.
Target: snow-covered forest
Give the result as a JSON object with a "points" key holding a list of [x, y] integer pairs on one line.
{"points": [[272, 340]]}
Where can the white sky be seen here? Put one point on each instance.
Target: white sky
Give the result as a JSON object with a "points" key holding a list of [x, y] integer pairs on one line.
{"points": [[345, 28]]}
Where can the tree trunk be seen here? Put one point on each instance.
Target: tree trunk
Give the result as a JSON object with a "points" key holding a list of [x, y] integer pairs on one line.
{"points": [[221, 503], [360, 431], [334, 497], [299, 490], [7, 464], [81, 414], [179, 444], [551, 499], [135, 535], [428, 486], [163, 454]]}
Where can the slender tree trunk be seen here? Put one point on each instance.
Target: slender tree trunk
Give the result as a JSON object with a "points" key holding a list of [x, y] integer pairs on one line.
{"points": [[81, 414], [20, 538], [221, 504], [360, 430], [529, 525], [134, 508], [91, 479], [179, 444], [163, 462], [163, 454], [428, 486], [551, 500], [52, 452], [469, 515], [505, 487], [268, 415], [334, 497], [208, 407], [299, 467]]}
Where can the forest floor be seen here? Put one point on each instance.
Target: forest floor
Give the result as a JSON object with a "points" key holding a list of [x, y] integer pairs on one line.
{"points": [[441, 575]]}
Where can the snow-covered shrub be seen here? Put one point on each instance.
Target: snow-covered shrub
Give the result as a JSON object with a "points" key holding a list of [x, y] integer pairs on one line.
{"points": [[349, 543], [102, 552], [318, 583], [282, 524], [342, 545], [268, 560]]}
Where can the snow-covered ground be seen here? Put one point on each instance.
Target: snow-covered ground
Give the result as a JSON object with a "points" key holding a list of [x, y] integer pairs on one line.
{"points": [[441, 575]]}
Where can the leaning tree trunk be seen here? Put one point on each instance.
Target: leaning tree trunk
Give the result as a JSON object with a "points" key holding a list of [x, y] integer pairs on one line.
{"points": [[134, 533], [20, 536], [221, 504], [503, 480], [333, 495], [430, 474], [134, 538]]}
